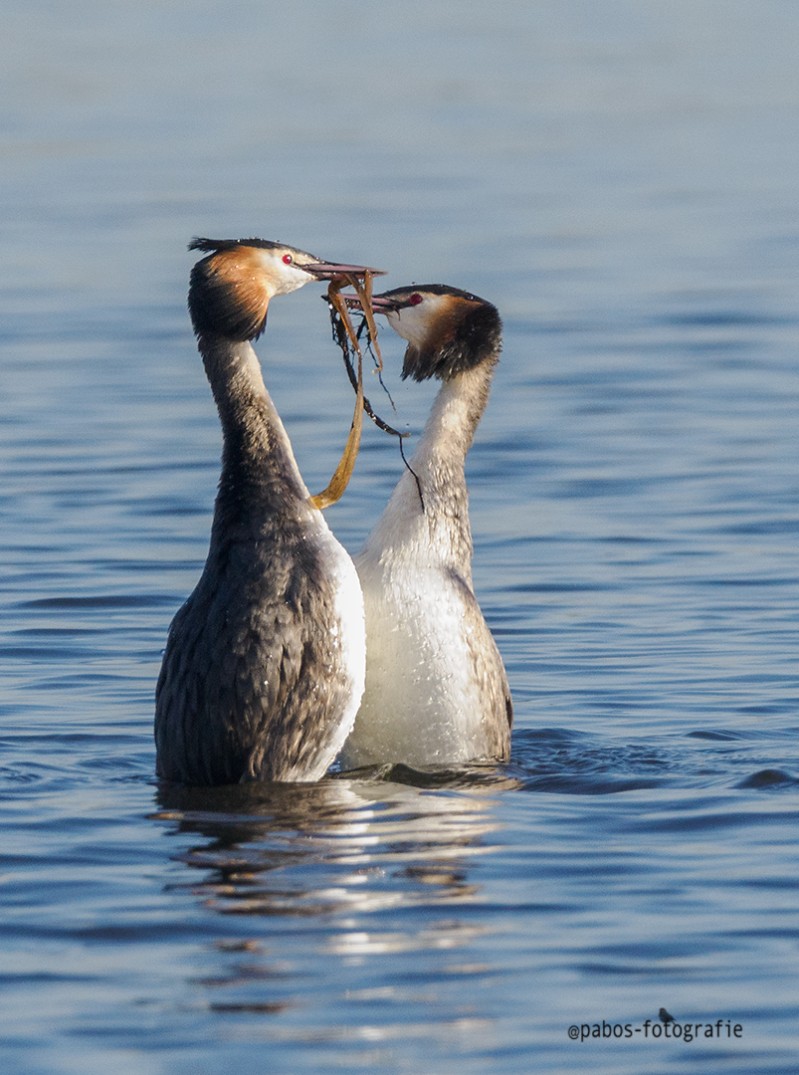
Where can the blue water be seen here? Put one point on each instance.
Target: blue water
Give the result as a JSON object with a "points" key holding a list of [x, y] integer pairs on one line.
{"points": [[621, 180]]}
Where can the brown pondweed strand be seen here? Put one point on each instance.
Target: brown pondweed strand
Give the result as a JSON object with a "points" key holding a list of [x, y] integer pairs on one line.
{"points": [[342, 337], [343, 472], [348, 341], [363, 289]]}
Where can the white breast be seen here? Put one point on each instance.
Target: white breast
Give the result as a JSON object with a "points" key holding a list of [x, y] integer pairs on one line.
{"points": [[420, 703], [351, 630]]}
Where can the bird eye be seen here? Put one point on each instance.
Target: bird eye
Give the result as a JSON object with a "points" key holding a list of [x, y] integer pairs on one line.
{"points": [[288, 259], [415, 299]]}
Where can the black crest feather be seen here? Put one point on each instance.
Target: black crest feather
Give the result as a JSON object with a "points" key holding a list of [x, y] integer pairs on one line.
{"points": [[474, 336], [209, 246]]}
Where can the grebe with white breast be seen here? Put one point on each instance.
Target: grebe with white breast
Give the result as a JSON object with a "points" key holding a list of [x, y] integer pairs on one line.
{"points": [[264, 664], [436, 690]]}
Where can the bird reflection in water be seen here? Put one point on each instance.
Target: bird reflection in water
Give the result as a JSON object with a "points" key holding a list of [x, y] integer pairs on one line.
{"points": [[349, 854]]}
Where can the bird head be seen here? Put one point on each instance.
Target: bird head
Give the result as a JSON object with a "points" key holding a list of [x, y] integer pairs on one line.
{"points": [[232, 285], [448, 330]]}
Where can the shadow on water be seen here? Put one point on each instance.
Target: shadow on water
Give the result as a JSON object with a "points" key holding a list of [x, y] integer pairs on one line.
{"points": [[574, 763], [578, 763]]}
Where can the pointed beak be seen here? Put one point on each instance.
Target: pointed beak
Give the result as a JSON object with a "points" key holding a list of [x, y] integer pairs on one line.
{"points": [[329, 270], [380, 304]]}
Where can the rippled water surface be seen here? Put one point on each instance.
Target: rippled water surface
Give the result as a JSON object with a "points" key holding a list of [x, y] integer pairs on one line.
{"points": [[621, 179]]}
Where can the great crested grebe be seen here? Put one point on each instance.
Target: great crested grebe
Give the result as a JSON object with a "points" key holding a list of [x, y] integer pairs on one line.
{"points": [[436, 690], [264, 664]]}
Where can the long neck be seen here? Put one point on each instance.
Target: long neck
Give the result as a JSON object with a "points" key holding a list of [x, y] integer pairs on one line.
{"points": [[259, 472], [436, 525], [450, 428]]}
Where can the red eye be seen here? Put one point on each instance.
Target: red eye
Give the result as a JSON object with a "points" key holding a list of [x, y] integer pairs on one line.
{"points": [[288, 259], [415, 299]]}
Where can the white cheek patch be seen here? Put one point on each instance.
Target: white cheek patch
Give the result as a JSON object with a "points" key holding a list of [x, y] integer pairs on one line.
{"points": [[414, 323], [278, 277]]}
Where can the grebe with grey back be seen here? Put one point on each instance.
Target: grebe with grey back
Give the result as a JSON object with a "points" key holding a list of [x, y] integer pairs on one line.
{"points": [[264, 664]]}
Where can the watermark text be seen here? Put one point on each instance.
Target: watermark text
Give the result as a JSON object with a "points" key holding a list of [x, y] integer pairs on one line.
{"points": [[721, 1029]]}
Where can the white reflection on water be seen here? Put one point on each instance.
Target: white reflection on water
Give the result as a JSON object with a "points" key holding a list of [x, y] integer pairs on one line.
{"points": [[260, 842], [376, 876]]}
